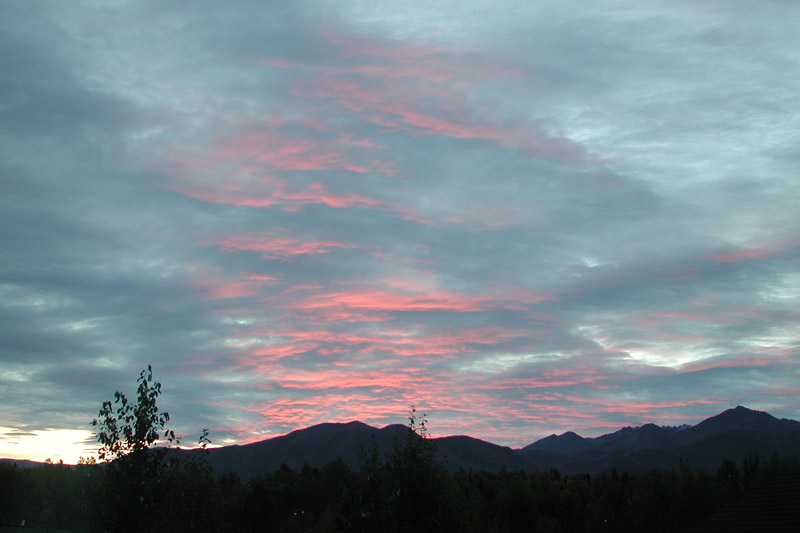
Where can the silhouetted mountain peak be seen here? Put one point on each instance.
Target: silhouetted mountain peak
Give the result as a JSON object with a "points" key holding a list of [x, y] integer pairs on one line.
{"points": [[327, 427], [647, 437], [740, 419], [394, 427], [741, 412], [566, 443]]}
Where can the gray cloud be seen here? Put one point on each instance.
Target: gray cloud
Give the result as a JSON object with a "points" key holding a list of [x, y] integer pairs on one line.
{"points": [[525, 220]]}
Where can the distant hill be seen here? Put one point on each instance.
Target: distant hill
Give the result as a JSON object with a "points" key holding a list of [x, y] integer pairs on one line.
{"points": [[21, 463], [731, 434]]}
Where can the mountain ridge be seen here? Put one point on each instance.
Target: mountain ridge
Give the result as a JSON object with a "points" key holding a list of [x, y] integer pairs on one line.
{"points": [[732, 434]]}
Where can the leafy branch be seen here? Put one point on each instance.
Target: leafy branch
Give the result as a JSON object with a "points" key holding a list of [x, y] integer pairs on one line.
{"points": [[124, 428]]}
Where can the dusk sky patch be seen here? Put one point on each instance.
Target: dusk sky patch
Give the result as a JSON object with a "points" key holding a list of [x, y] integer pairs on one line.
{"points": [[523, 218]]}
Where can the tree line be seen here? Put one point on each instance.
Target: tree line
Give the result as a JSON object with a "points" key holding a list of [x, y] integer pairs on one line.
{"points": [[140, 488]]}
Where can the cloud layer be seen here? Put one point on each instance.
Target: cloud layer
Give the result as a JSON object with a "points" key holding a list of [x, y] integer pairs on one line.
{"points": [[522, 220]]}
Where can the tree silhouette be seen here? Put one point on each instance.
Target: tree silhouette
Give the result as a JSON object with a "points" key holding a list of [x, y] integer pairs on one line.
{"points": [[418, 491], [125, 428], [133, 492]]}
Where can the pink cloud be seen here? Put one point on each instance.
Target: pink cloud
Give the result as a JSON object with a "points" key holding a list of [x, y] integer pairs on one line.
{"points": [[380, 300], [273, 192], [419, 89], [316, 193], [261, 277], [271, 246], [741, 255], [390, 106], [400, 300], [213, 195], [267, 356], [345, 315], [217, 288], [409, 345], [759, 251], [301, 152], [319, 406], [739, 362], [357, 55], [341, 380], [279, 164], [400, 87]]}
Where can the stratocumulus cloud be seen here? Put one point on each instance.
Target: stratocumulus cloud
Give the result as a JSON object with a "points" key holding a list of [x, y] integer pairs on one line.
{"points": [[523, 219]]}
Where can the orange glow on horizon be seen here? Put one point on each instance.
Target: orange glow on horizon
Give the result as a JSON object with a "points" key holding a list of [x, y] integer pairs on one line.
{"points": [[66, 445]]}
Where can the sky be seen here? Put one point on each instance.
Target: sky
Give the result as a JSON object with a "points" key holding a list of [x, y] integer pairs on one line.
{"points": [[522, 218]]}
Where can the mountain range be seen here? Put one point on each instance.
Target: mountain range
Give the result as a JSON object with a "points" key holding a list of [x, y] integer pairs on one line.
{"points": [[732, 434]]}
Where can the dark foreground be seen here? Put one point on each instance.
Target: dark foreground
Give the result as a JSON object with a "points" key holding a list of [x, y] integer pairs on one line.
{"points": [[406, 490]]}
